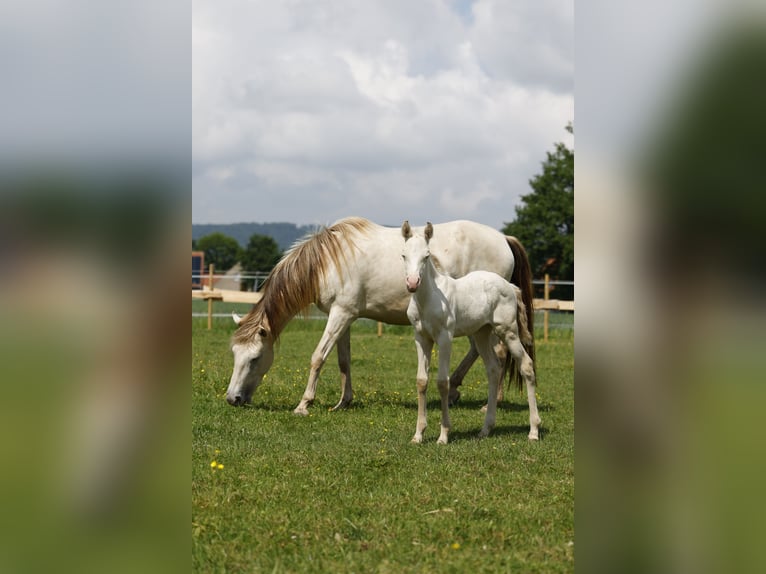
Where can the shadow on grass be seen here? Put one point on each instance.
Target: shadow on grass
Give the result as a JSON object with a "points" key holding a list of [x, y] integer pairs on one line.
{"points": [[464, 435], [520, 431], [476, 405]]}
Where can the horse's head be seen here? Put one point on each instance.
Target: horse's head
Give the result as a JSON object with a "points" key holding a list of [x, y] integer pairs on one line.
{"points": [[253, 356], [416, 253]]}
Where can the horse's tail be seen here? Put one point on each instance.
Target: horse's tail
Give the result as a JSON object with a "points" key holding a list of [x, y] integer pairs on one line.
{"points": [[522, 278], [525, 336]]}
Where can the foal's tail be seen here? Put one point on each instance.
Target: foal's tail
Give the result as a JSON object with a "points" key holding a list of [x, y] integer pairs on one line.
{"points": [[525, 336], [522, 278]]}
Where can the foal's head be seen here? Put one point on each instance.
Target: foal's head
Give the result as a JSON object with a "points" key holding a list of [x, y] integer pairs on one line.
{"points": [[415, 254]]}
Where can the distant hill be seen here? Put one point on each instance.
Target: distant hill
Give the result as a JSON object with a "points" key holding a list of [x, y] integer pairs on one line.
{"points": [[285, 234]]}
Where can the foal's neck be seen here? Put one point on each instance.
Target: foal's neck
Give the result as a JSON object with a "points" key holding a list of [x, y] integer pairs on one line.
{"points": [[430, 283]]}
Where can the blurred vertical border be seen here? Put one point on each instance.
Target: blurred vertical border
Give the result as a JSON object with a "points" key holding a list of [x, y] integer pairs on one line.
{"points": [[671, 211], [95, 174]]}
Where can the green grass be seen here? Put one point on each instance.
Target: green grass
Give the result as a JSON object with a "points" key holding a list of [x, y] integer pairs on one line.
{"points": [[347, 492]]}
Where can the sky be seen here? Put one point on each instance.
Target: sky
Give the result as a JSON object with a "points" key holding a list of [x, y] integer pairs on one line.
{"points": [[308, 112]]}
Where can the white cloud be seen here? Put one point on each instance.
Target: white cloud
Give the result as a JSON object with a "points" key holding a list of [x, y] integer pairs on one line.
{"points": [[317, 110]]}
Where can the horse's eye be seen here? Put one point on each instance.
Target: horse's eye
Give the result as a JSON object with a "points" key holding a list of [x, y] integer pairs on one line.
{"points": [[262, 332]]}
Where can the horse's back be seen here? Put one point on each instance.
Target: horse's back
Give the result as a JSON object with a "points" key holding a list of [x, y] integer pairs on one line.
{"points": [[371, 283], [481, 298], [463, 246]]}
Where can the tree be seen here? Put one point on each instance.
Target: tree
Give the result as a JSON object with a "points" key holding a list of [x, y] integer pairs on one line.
{"points": [[545, 221], [260, 255], [220, 250]]}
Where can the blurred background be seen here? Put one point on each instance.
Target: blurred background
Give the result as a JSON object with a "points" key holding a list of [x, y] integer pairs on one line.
{"points": [[95, 149], [670, 128]]}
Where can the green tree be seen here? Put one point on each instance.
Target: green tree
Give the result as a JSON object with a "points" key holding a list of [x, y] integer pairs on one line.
{"points": [[260, 255], [545, 221], [220, 250]]}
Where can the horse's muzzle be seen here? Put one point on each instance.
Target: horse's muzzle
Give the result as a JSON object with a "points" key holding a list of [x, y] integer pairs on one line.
{"points": [[412, 285], [235, 400]]}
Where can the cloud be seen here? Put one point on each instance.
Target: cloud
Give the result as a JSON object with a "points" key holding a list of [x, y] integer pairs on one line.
{"points": [[313, 111]]}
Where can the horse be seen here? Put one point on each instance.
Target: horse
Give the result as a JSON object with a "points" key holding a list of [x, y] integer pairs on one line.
{"points": [[478, 304], [351, 269]]}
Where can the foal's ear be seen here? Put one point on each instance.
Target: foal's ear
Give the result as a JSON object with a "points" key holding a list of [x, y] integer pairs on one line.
{"points": [[406, 231], [429, 232]]}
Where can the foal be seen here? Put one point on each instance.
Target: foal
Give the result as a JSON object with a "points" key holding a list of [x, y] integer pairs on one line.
{"points": [[478, 304]]}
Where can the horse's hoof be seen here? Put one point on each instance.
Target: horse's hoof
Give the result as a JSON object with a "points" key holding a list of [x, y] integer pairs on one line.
{"points": [[483, 434], [341, 405], [483, 409], [441, 441], [454, 398], [533, 436], [301, 411], [416, 440]]}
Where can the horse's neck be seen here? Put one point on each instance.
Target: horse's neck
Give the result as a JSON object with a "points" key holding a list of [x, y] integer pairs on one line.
{"points": [[433, 282]]}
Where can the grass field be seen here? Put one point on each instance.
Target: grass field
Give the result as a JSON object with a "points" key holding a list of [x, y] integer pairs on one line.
{"points": [[347, 492]]}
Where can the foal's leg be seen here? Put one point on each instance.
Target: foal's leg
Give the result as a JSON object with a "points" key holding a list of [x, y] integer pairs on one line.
{"points": [[494, 377], [526, 367], [442, 380], [456, 379], [424, 346], [338, 321], [344, 364]]}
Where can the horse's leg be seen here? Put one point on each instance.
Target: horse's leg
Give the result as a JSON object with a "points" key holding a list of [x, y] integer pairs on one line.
{"points": [[456, 379], [344, 364], [494, 377], [338, 321], [501, 352], [424, 346], [527, 369], [442, 380]]}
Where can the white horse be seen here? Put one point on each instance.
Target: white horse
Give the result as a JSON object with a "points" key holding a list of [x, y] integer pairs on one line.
{"points": [[349, 270], [478, 304]]}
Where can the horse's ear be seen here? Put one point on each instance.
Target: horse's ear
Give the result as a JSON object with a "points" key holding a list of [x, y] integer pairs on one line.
{"points": [[237, 318], [406, 231], [429, 232]]}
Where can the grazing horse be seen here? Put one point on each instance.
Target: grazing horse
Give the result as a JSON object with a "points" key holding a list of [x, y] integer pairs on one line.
{"points": [[478, 304], [350, 270]]}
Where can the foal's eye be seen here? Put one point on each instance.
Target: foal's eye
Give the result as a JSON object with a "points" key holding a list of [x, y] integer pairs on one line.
{"points": [[262, 332]]}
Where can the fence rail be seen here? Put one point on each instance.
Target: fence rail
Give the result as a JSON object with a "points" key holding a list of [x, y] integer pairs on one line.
{"points": [[210, 294]]}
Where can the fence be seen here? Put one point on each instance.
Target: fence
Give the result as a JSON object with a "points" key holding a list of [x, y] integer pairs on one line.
{"points": [[210, 294]]}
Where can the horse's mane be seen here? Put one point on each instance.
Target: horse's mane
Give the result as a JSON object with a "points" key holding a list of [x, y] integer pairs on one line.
{"points": [[295, 281]]}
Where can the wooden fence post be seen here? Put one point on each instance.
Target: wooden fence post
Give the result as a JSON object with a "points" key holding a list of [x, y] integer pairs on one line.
{"points": [[380, 329], [546, 293], [210, 300]]}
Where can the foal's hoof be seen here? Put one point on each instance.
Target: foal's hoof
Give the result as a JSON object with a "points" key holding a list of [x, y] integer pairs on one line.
{"points": [[483, 409], [533, 436], [301, 411], [454, 397]]}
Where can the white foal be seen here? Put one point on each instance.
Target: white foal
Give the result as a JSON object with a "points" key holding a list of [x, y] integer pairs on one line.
{"points": [[478, 304]]}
